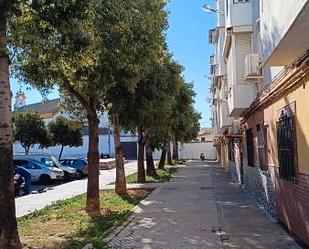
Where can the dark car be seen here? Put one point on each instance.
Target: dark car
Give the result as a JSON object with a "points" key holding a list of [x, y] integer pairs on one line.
{"points": [[80, 164]]}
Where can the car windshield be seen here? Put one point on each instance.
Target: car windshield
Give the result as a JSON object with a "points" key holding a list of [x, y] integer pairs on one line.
{"points": [[50, 162]]}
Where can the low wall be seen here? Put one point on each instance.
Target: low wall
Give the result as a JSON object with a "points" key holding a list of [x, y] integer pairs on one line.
{"points": [[194, 150]]}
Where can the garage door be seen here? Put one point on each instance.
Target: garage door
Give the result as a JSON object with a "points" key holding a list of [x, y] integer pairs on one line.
{"points": [[129, 150]]}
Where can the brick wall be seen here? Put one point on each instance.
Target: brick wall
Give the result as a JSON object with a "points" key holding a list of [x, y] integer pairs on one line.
{"points": [[293, 206]]}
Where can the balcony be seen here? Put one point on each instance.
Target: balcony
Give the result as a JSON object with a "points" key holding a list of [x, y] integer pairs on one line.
{"points": [[239, 13], [284, 31], [213, 36], [240, 98], [225, 120]]}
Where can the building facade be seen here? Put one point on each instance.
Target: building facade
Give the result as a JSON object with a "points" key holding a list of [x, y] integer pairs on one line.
{"points": [[266, 144]]}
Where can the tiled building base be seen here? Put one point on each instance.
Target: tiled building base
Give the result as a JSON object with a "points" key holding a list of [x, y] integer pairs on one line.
{"points": [[261, 185]]}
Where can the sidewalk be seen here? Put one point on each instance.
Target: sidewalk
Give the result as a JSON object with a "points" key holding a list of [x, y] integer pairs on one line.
{"points": [[200, 208], [30, 203]]}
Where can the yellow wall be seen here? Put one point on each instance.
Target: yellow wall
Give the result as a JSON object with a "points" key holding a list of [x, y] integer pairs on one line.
{"points": [[301, 98]]}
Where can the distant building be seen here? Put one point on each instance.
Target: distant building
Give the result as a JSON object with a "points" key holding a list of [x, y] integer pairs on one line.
{"points": [[50, 110], [205, 135]]}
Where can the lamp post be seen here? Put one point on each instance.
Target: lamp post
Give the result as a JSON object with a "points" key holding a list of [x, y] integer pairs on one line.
{"points": [[208, 9]]}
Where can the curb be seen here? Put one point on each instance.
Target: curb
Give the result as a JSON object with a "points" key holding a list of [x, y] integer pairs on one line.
{"points": [[131, 216]]}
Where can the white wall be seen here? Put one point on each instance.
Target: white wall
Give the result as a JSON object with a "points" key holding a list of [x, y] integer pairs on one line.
{"points": [[77, 151], [194, 150]]}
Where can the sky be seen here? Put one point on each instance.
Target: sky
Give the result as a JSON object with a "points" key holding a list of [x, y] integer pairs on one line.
{"points": [[187, 39]]}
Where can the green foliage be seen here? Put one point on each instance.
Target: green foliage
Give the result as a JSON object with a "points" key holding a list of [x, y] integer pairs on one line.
{"points": [[66, 132], [151, 103], [95, 51], [91, 49], [29, 129], [163, 175], [185, 119]]}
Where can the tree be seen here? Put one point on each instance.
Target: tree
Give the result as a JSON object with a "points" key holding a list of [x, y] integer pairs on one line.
{"points": [[139, 35], [185, 125], [150, 105], [66, 132], [92, 50], [57, 46], [9, 238], [29, 129]]}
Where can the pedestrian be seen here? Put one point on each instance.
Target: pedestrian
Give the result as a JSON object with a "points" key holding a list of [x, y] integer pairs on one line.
{"points": [[27, 176]]}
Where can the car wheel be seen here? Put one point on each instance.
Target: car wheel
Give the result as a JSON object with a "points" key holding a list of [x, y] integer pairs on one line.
{"points": [[66, 176], [79, 174], [45, 179]]}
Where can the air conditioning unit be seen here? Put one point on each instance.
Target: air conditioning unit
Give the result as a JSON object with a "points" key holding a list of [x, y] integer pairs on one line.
{"points": [[252, 70]]}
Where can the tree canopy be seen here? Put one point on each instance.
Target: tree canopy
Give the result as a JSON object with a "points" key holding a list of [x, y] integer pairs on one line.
{"points": [[66, 132], [95, 51], [29, 129]]}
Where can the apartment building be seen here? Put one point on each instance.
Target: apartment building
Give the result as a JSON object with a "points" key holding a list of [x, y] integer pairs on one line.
{"points": [[266, 54]]}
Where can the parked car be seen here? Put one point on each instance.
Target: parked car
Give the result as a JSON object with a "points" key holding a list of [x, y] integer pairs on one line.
{"points": [[80, 164], [39, 172], [51, 161], [19, 184]]}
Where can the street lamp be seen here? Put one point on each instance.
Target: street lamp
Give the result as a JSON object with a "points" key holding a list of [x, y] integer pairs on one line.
{"points": [[208, 9]]}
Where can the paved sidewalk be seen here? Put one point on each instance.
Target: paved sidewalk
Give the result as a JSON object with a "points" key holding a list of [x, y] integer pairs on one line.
{"points": [[200, 208], [28, 204]]}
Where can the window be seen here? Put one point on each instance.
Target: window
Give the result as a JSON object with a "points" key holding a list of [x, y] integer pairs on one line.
{"points": [[261, 146], [250, 148], [231, 153], [286, 139], [29, 165]]}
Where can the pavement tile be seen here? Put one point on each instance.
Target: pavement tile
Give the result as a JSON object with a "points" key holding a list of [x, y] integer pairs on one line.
{"points": [[199, 209]]}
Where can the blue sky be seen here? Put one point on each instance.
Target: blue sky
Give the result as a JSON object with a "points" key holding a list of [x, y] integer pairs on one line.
{"points": [[187, 38]]}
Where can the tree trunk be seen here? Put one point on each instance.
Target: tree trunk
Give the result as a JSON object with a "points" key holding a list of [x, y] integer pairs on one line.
{"points": [[141, 158], [175, 150], [27, 148], [162, 158], [169, 153], [93, 194], [60, 154], [9, 238], [120, 186], [150, 170]]}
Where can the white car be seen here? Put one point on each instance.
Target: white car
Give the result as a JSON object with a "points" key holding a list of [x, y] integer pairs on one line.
{"points": [[40, 172], [50, 161]]}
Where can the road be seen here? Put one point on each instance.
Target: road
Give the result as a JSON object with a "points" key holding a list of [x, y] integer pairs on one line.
{"points": [[29, 203]]}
